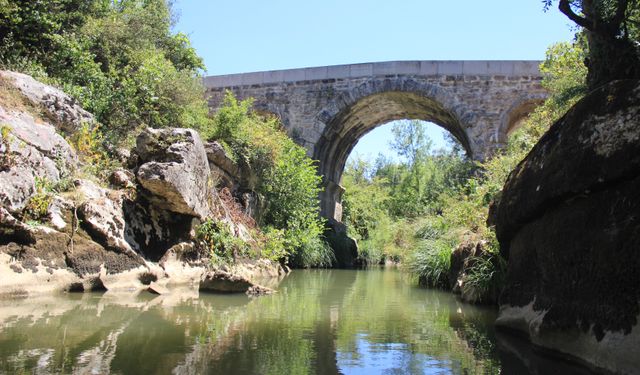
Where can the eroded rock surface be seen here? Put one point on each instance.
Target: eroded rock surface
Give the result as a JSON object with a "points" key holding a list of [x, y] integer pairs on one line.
{"points": [[225, 282], [174, 168], [569, 223], [137, 234]]}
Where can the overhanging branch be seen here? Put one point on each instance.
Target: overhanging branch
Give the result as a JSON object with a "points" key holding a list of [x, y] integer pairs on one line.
{"points": [[565, 8]]}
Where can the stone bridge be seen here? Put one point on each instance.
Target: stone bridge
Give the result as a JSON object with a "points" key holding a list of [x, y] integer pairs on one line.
{"points": [[328, 109]]}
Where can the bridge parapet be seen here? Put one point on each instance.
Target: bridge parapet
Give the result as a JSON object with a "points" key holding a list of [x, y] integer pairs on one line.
{"points": [[425, 68]]}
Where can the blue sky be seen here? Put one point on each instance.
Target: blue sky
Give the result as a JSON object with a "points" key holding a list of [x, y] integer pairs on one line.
{"points": [[236, 36]]}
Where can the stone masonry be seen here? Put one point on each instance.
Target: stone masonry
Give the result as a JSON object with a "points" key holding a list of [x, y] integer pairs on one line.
{"points": [[328, 109]]}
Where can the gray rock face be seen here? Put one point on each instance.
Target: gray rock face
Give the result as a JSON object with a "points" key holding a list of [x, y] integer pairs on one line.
{"points": [[31, 150], [102, 215], [222, 165], [61, 109], [96, 237], [568, 221], [175, 170]]}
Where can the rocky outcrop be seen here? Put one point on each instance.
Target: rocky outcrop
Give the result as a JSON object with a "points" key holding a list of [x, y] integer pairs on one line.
{"points": [[137, 234], [224, 282], [569, 223], [175, 170], [463, 259], [60, 109], [345, 248], [227, 169], [32, 150]]}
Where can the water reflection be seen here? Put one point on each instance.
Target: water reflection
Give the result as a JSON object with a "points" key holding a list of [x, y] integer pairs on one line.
{"points": [[322, 322]]}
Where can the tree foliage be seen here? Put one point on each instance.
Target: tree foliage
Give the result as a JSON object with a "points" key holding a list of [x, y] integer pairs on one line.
{"points": [[612, 31], [118, 58], [281, 173]]}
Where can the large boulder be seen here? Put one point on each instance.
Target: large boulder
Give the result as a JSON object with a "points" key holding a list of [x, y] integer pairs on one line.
{"points": [[222, 165], [175, 170], [219, 281], [569, 223]]}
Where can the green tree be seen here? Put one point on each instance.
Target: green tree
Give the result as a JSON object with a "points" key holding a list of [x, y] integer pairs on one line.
{"points": [[280, 172], [118, 58], [611, 28]]}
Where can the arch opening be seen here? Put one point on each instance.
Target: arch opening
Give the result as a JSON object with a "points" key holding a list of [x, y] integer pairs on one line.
{"points": [[348, 126]]}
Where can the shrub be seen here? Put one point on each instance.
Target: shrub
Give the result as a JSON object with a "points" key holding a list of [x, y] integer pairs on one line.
{"points": [[430, 262], [216, 237], [6, 158], [283, 176], [37, 207]]}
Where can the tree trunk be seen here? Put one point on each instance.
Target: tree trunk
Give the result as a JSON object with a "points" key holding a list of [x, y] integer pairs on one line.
{"points": [[612, 55]]}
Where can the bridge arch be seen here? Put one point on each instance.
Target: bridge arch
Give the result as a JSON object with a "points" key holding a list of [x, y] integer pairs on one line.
{"points": [[375, 102], [512, 117], [326, 109]]}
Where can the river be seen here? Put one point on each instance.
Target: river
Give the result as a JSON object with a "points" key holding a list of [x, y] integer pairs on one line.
{"points": [[320, 322]]}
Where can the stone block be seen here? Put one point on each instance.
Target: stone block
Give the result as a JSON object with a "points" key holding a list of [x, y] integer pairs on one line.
{"points": [[504, 68], [338, 71], [315, 74], [526, 68], [384, 68], [273, 76], [450, 67], [428, 68], [474, 67], [293, 75], [252, 78], [408, 67], [361, 70], [223, 81]]}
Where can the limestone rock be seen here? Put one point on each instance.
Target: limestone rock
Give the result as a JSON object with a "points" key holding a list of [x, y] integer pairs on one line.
{"points": [[102, 215], [62, 109], [151, 230], [156, 288], [31, 150], [258, 290], [221, 164], [122, 178], [568, 220], [462, 259], [224, 282], [58, 212], [175, 170]]}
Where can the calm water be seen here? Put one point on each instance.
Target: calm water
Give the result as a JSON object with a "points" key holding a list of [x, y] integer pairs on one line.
{"points": [[320, 322]]}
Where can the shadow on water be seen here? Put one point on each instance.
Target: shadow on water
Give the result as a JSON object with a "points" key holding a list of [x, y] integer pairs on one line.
{"points": [[319, 322]]}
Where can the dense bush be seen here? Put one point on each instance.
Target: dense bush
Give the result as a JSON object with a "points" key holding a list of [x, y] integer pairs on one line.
{"points": [[385, 201], [118, 58], [281, 173]]}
